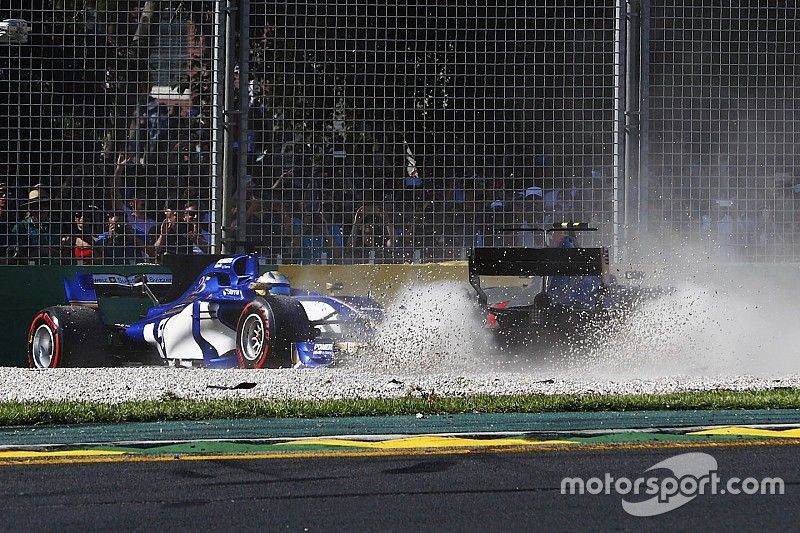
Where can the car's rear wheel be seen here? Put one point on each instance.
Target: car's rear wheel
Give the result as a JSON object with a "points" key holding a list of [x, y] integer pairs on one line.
{"points": [[67, 336], [266, 329]]}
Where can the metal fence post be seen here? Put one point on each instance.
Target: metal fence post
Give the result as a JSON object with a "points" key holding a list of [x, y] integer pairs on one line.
{"points": [[228, 168], [244, 110], [644, 112], [218, 124], [620, 97], [631, 209]]}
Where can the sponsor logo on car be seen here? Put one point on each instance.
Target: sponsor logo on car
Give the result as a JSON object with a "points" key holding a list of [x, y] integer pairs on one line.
{"points": [[158, 278], [323, 348], [108, 278]]}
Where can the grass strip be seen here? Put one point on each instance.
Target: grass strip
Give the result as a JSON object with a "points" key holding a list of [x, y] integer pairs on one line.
{"points": [[172, 408]]}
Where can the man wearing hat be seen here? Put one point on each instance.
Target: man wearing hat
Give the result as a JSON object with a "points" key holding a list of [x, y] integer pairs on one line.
{"points": [[35, 234]]}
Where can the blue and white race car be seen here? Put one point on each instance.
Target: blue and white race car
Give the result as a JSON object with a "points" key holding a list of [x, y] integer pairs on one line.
{"points": [[228, 317]]}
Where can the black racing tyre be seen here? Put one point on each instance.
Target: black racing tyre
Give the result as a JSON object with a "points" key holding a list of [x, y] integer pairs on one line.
{"points": [[293, 323], [266, 329], [67, 336]]}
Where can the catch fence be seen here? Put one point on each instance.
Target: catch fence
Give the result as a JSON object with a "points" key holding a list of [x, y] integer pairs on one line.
{"points": [[722, 147], [352, 131]]}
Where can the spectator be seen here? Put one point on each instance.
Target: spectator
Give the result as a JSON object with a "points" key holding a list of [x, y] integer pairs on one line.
{"points": [[198, 236], [371, 231], [318, 244], [191, 198], [36, 236], [498, 213], [179, 232], [277, 230], [118, 244], [80, 242], [559, 204], [268, 228], [136, 216], [563, 239]]}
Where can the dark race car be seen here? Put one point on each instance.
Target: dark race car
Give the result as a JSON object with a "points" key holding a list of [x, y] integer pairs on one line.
{"points": [[229, 316], [567, 292]]}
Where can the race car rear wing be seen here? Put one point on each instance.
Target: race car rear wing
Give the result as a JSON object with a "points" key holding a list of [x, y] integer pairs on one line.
{"points": [[85, 288], [536, 262]]}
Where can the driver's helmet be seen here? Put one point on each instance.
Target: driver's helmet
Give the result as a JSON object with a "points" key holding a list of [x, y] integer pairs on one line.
{"points": [[569, 242], [564, 240], [280, 283]]}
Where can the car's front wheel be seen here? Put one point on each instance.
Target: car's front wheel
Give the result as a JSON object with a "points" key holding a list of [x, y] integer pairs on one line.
{"points": [[67, 336], [266, 329]]}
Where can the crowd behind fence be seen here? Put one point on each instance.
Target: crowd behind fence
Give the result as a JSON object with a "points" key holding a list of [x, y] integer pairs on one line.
{"points": [[722, 116], [391, 134], [382, 132]]}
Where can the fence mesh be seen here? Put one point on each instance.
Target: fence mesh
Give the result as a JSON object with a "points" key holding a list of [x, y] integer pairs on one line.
{"points": [[376, 131], [108, 140], [723, 142], [388, 132]]}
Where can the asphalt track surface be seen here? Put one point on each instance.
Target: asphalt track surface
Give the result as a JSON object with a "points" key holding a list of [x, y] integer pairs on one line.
{"points": [[468, 491], [245, 474]]}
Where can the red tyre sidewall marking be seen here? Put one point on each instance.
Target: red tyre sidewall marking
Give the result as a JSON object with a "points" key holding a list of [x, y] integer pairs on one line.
{"points": [[265, 351], [35, 323], [239, 355], [31, 331], [262, 360]]}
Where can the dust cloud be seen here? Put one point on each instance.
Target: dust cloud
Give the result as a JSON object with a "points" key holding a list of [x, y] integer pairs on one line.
{"points": [[719, 320], [433, 326]]}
